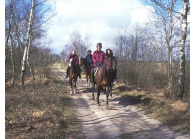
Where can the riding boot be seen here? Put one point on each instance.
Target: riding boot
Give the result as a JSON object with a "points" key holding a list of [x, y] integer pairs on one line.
{"points": [[79, 72], [115, 73], [67, 71], [92, 76]]}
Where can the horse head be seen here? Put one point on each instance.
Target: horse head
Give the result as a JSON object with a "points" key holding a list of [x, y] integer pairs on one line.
{"points": [[81, 61], [108, 63], [71, 62]]}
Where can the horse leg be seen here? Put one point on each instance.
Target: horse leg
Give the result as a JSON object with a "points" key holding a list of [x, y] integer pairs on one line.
{"points": [[74, 86], [70, 82], [98, 95], [86, 79], [107, 94], [89, 79], [111, 89], [93, 86]]}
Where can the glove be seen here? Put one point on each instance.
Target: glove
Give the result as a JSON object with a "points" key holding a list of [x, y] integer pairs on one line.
{"points": [[98, 64]]}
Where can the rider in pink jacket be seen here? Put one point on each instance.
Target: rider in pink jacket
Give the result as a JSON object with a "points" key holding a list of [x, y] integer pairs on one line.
{"points": [[75, 57], [98, 59], [98, 56], [76, 60]]}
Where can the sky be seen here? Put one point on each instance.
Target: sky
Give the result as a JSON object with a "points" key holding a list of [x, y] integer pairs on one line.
{"points": [[99, 19]]}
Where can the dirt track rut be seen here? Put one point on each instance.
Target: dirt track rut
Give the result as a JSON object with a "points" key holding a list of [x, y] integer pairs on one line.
{"points": [[102, 122]]}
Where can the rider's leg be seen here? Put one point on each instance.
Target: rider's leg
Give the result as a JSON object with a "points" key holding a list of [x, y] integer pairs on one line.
{"points": [[67, 71], [92, 76], [115, 73], [79, 72]]}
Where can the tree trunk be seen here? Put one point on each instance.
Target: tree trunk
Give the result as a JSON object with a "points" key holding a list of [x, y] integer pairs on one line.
{"points": [[12, 61], [19, 42], [27, 45], [10, 35], [170, 33], [182, 50], [170, 77], [9, 30], [29, 65], [123, 70]]}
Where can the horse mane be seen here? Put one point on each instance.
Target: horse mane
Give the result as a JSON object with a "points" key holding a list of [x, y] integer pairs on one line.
{"points": [[74, 67], [108, 63], [85, 62]]}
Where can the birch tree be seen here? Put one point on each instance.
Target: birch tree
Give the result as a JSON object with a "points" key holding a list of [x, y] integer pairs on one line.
{"points": [[10, 36], [165, 12], [182, 48], [9, 28], [78, 44], [27, 45], [12, 61]]}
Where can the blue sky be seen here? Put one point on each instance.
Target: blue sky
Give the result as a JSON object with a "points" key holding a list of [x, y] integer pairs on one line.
{"points": [[99, 19]]}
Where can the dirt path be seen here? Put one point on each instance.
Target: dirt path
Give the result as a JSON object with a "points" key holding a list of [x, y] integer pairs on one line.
{"points": [[117, 120]]}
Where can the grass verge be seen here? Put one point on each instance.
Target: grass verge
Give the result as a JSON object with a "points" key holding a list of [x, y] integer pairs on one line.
{"points": [[174, 114], [42, 110]]}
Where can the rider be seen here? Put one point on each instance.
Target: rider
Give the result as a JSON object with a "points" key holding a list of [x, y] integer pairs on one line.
{"points": [[76, 60], [88, 57], [109, 54], [98, 59]]}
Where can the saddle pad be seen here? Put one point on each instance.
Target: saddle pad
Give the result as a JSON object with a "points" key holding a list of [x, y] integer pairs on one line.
{"points": [[95, 71]]}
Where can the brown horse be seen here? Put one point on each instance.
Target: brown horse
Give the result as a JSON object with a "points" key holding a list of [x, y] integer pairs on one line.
{"points": [[113, 68], [73, 75], [104, 77], [87, 69]]}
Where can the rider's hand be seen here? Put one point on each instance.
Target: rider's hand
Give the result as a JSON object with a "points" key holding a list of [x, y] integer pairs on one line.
{"points": [[98, 64]]}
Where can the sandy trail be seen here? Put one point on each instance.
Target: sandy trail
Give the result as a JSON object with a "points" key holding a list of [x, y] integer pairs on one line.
{"points": [[110, 122]]}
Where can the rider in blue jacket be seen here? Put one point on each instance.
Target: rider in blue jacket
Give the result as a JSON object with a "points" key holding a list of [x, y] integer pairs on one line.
{"points": [[88, 57]]}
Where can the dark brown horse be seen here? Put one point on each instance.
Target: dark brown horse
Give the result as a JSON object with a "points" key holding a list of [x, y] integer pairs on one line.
{"points": [[73, 75], [87, 69], [104, 77], [113, 69]]}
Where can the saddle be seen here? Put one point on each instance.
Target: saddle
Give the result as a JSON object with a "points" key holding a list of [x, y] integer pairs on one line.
{"points": [[95, 71]]}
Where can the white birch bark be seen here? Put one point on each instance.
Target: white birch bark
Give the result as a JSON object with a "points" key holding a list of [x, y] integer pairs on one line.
{"points": [[170, 34], [24, 60], [27, 58], [182, 49], [12, 61]]}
